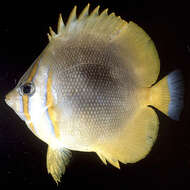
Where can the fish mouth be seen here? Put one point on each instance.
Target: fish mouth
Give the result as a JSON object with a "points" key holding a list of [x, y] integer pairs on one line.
{"points": [[8, 101], [11, 104]]}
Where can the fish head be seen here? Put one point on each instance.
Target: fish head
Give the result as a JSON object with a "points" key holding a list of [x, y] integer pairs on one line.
{"points": [[21, 93], [29, 98], [14, 100]]}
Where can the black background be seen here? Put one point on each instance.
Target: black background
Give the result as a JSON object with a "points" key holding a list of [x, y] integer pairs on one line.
{"points": [[23, 29]]}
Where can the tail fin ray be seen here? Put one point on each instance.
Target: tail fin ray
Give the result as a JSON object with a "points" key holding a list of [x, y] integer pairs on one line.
{"points": [[176, 88], [167, 95]]}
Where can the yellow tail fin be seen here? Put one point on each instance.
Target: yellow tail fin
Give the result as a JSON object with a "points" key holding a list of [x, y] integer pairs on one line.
{"points": [[167, 95]]}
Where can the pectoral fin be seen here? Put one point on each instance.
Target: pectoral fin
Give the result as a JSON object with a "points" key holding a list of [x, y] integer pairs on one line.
{"points": [[57, 160]]}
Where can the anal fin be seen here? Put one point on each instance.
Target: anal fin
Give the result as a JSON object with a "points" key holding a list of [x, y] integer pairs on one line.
{"points": [[134, 142], [102, 158], [57, 160], [111, 161]]}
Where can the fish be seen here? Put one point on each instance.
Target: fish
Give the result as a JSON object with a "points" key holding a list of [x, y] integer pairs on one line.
{"points": [[94, 88]]}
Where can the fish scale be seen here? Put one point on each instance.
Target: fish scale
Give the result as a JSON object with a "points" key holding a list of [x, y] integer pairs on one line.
{"points": [[99, 104], [91, 88]]}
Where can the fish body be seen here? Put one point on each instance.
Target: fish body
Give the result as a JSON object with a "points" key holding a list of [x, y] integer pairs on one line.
{"points": [[90, 90]]}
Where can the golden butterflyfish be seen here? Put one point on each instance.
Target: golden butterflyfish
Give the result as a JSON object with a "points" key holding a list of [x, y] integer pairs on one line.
{"points": [[91, 90]]}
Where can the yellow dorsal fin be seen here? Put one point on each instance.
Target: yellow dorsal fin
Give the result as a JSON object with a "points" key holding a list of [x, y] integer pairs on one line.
{"points": [[134, 45], [104, 13], [141, 53], [51, 33], [72, 18], [84, 13], [103, 25], [60, 25], [95, 12]]}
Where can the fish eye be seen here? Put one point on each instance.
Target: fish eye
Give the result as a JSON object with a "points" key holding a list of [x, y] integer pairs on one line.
{"points": [[27, 89]]}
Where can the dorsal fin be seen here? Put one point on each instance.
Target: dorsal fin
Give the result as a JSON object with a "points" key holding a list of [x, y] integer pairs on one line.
{"points": [[99, 24], [72, 18], [95, 12], [133, 43], [60, 25], [84, 13]]}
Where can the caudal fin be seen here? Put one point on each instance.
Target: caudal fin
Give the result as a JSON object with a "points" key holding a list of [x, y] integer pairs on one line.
{"points": [[176, 88], [167, 95]]}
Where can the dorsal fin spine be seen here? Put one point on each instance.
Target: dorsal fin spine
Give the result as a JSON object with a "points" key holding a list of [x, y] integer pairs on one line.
{"points": [[49, 37], [84, 13], [52, 32], [100, 24], [72, 17], [95, 12], [60, 26], [104, 13]]}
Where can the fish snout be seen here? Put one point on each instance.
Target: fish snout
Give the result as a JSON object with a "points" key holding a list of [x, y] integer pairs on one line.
{"points": [[11, 100]]}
